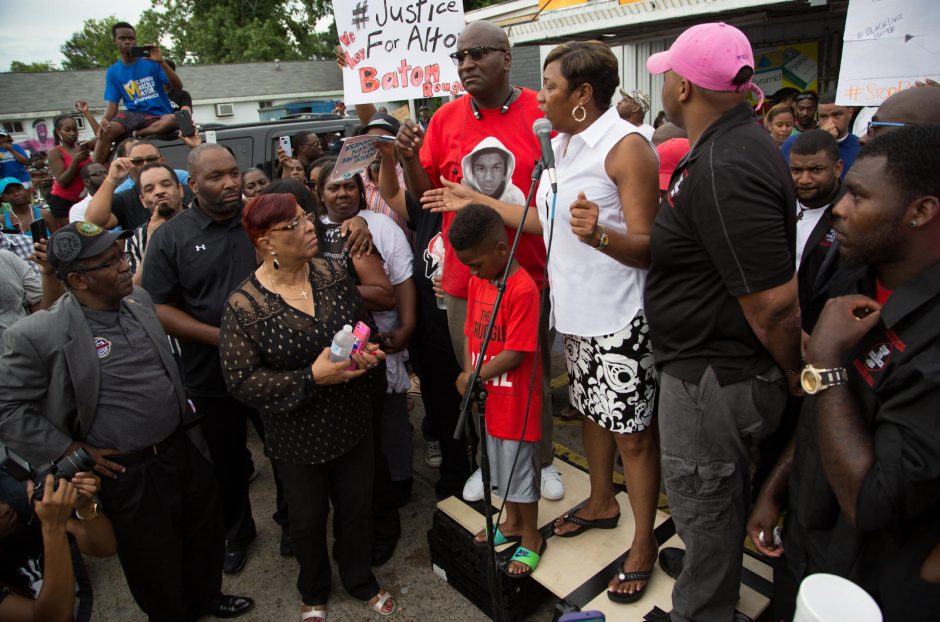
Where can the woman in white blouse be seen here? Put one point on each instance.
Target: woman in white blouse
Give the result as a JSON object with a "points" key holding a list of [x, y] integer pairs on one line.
{"points": [[598, 242]]}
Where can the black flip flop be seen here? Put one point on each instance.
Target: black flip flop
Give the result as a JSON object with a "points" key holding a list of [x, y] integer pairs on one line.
{"points": [[587, 525], [623, 577]]}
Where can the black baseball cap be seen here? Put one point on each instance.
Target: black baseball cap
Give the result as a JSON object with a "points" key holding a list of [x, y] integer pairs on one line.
{"points": [[383, 121], [80, 240]]}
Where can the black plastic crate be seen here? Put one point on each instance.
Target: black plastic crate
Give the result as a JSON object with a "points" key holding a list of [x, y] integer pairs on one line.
{"points": [[463, 565]]}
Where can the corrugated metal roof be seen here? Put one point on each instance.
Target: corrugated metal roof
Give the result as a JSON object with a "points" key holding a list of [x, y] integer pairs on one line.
{"points": [[54, 91]]}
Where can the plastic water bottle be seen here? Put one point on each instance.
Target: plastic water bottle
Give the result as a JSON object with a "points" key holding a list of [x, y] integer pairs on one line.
{"points": [[342, 344], [439, 274]]}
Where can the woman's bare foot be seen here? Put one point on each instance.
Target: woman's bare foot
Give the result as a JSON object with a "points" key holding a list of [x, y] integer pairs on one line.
{"points": [[588, 511], [642, 558], [386, 608]]}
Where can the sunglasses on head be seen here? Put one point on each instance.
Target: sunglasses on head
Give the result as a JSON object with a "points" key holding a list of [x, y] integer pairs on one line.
{"points": [[803, 96], [476, 54]]}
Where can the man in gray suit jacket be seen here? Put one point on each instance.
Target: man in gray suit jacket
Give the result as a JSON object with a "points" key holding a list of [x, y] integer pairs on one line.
{"points": [[96, 371]]}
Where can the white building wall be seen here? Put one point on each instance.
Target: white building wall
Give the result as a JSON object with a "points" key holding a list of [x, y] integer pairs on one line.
{"points": [[245, 112]]}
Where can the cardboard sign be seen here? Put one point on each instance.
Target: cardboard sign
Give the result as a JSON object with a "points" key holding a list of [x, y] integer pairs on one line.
{"points": [[356, 155], [888, 45], [401, 113], [398, 49]]}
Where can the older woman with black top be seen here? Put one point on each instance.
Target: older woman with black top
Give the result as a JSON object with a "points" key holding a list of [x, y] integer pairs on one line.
{"points": [[275, 337]]}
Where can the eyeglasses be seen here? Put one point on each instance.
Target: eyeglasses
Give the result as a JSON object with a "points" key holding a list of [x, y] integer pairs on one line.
{"points": [[870, 128], [295, 224], [476, 54], [111, 264], [142, 161]]}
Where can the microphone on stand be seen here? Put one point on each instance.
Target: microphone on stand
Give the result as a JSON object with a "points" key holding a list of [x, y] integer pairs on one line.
{"points": [[543, 132]]}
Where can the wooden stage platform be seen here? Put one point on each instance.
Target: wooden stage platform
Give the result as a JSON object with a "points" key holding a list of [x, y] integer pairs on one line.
{"points": [[577, 570]]}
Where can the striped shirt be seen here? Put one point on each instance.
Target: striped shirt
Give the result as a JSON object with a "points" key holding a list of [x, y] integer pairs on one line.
{"points": [[375, 202], [136, 247]]}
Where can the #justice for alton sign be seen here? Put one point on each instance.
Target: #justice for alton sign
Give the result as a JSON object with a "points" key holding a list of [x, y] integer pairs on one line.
{"points": [[398, 49]]}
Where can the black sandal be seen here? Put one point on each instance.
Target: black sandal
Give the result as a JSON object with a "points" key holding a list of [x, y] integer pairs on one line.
{"points": [[623, 577], [587, 524]]}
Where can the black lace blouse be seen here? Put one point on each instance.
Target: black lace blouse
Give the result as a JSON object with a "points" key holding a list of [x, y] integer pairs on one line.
{"points": [[267, 347]]}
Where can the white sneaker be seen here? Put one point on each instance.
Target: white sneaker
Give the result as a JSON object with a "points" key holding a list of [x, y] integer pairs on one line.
{"points": [[553, 488], [432, 454], [473, 489]]}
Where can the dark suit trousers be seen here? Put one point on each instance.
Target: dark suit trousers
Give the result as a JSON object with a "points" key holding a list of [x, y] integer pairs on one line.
{"points": [[346, 482], [224, 422], [165, 512]]}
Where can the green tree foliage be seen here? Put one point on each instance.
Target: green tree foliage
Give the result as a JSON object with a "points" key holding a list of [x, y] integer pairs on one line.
{"points": [[469, 5], [21, 67], [92, 47], [228, 31]]}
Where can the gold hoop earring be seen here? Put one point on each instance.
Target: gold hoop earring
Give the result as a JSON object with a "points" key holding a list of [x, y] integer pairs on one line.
{"points": [[574, 113]]}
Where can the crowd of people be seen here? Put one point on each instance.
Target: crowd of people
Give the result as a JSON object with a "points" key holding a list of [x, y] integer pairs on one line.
{"points": [[744, 306]]}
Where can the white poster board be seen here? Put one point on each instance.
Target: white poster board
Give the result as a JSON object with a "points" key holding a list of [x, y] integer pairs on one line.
{"points": [[888, 44], [356, 155], [398, 49]]}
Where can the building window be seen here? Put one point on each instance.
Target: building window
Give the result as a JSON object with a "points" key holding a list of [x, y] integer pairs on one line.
{"points": [[265, 104], [225, 110], [13, 127]]}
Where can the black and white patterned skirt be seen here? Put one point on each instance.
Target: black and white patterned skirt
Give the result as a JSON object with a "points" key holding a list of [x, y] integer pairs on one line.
{"points": [[611, 378]]}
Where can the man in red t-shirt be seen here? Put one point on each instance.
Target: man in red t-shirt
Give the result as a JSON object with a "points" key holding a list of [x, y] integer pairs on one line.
{"points": [[492, 108], [509, 372]]}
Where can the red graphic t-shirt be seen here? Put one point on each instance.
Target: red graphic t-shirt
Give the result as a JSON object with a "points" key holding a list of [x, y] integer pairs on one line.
{"points": [[453, 134], [516, 328]]}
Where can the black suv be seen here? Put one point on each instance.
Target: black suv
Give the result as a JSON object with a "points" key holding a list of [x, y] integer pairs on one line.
{"points": [[255, 144]]}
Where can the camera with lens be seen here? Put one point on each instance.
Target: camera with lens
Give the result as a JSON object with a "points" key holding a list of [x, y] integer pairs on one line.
{"points": [[66, 468]]}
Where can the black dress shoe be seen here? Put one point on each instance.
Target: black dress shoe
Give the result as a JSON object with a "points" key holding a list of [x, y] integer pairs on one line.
{"points": [[232, 606], [236, 556], [671, 560], [287, 546]]}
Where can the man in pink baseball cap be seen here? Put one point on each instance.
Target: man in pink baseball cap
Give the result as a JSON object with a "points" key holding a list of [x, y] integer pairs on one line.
{"points": [[721, 300]]}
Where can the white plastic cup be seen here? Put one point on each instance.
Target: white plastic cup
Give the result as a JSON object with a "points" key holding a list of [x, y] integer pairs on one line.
{"points": [[830, 598]]}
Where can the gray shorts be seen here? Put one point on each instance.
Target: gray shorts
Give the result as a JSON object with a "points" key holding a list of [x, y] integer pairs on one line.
{"points": [[527, 475]]}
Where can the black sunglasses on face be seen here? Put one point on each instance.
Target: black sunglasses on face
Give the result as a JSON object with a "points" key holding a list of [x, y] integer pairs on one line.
{"points": [[476, 54], [147, 160]]}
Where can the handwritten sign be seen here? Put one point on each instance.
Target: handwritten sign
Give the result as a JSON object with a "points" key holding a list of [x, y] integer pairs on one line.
{"points": [[398, 49], [888, 45], [356, 155]]}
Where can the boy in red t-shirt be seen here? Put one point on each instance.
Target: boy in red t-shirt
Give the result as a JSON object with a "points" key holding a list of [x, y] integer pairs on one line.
{"points": [[511, 376]]}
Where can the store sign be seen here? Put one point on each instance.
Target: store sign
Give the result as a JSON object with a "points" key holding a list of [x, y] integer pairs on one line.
{"points": [[795, 66], [888, 45]]}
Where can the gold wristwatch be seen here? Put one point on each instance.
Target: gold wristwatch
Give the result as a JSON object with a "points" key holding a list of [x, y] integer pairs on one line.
{"points": [[604, 240], [815, 380]]}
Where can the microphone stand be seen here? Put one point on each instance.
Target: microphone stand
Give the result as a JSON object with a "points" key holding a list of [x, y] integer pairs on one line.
{"points": [[476, 392]]}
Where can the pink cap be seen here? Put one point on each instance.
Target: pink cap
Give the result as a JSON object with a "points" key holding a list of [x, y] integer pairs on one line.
{"points": [[670, 153], [709, 56]]}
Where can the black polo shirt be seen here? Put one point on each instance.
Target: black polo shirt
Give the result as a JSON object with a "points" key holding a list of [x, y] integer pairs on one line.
{"points": [[194, 263], [726, 228], [894, 376]]}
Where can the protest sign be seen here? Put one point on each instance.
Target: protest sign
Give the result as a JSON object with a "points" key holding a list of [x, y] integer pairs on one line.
{"points": [[401, 113], [356, 154], [888, 44], [398, 49]]}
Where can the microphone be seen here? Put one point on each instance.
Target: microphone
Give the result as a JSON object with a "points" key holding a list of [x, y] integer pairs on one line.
{"points": [[543, 131]]}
